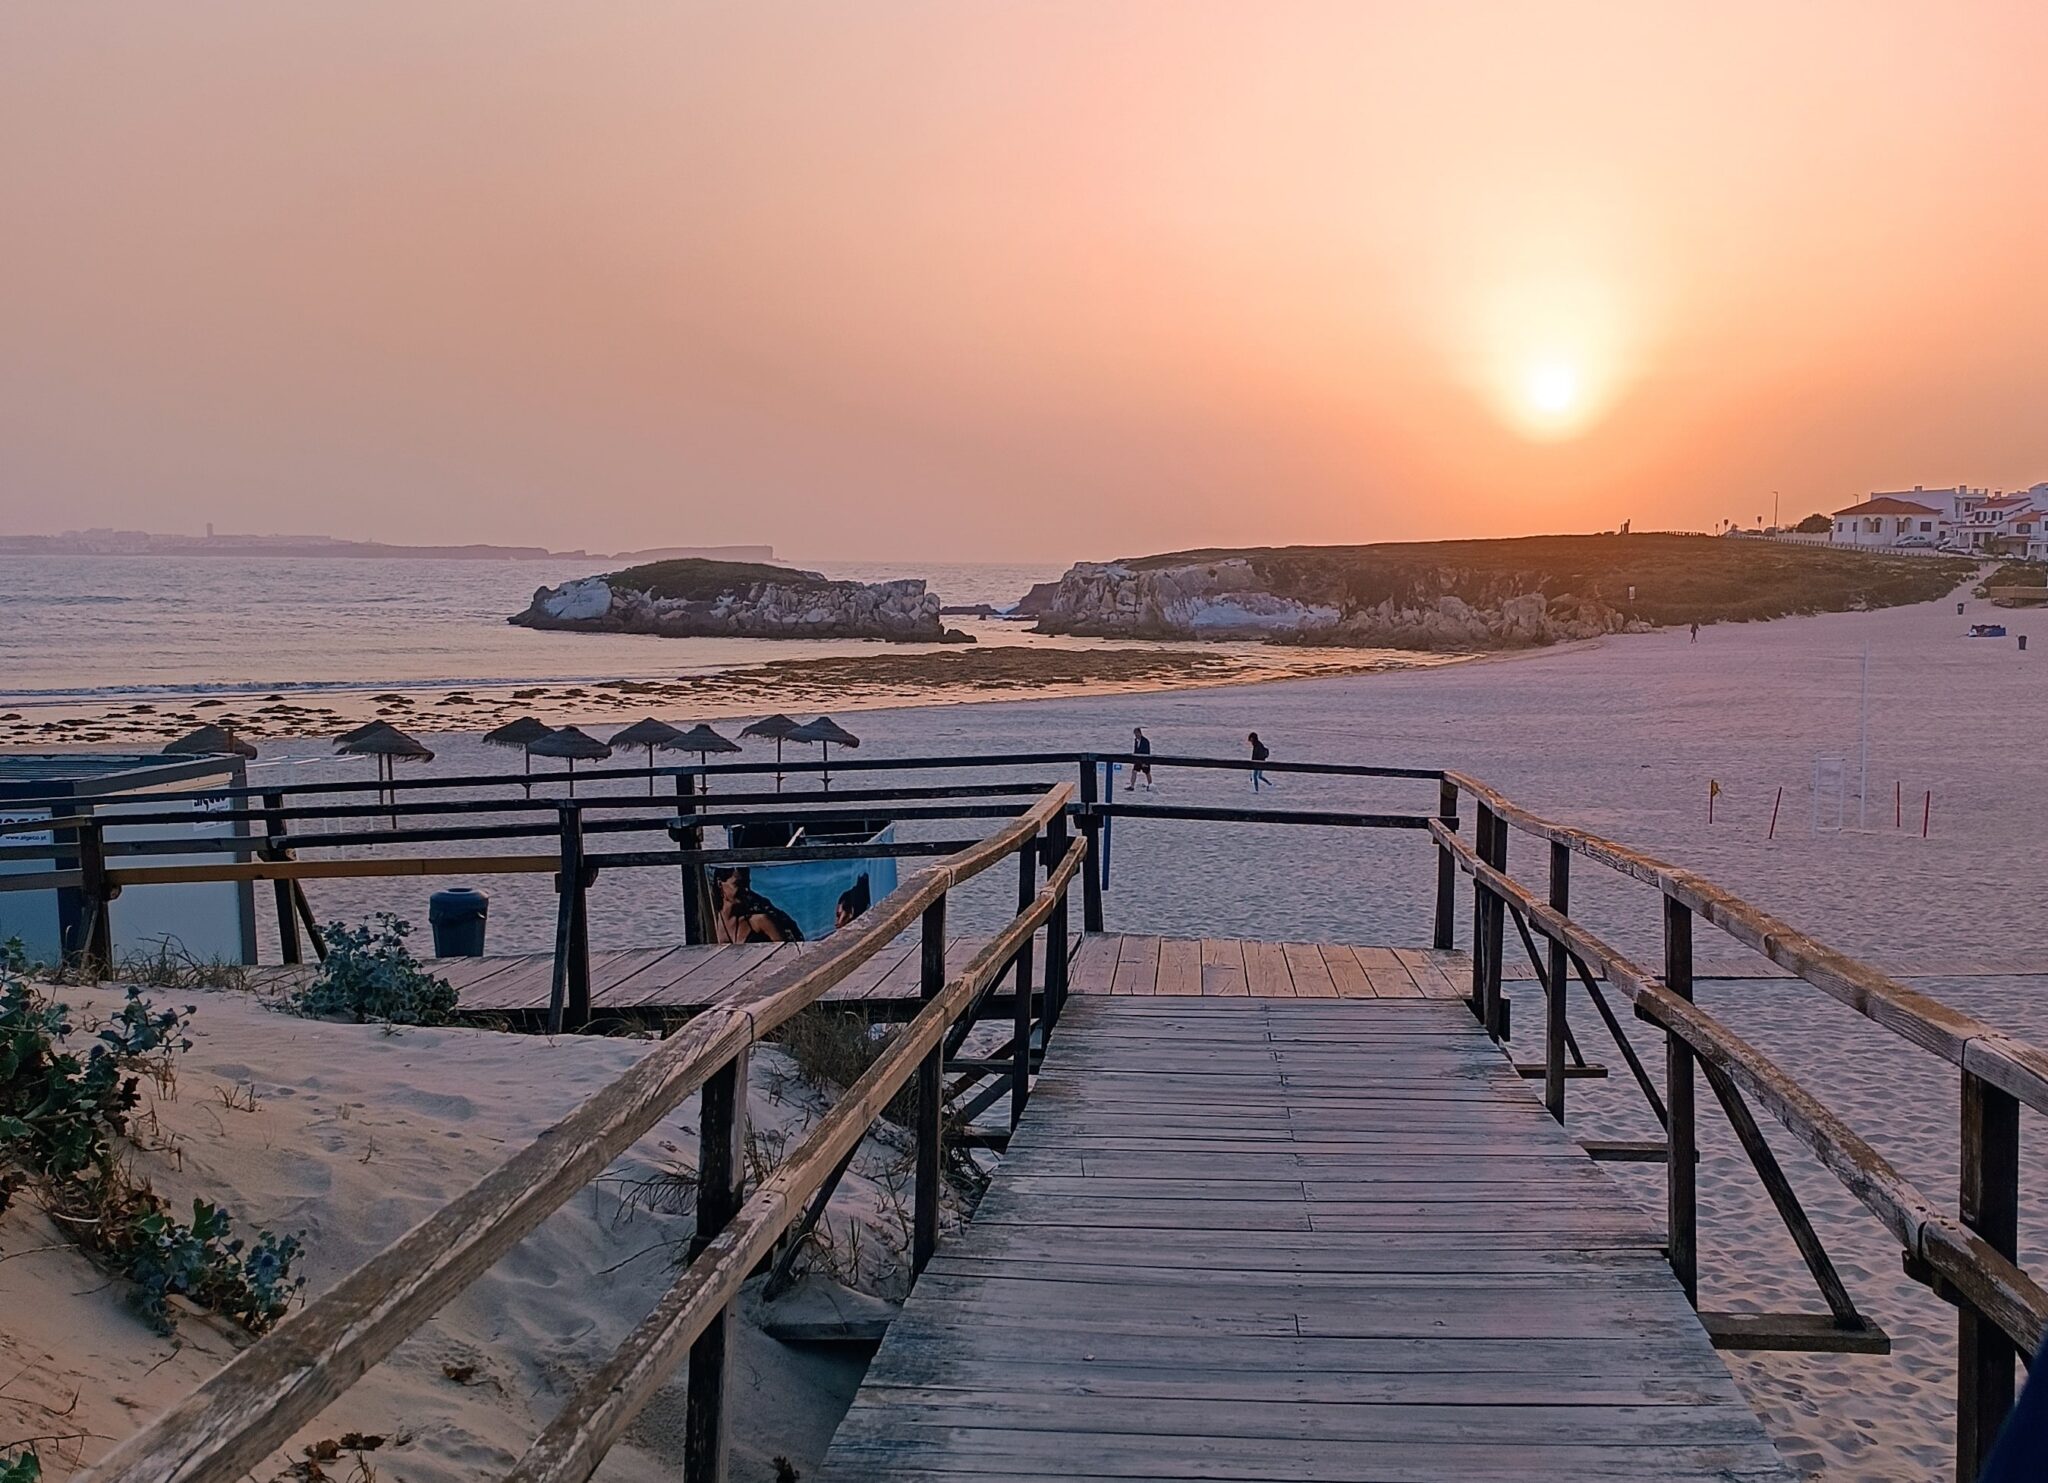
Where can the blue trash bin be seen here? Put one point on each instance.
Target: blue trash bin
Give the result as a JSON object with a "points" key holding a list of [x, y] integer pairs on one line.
{"points": [[457, 916]]}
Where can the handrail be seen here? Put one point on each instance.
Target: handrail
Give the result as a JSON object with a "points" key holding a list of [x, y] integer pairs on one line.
{"points": [[1998, 1286], [251, 1406], [842, 764], [593, 1419], [1959, 1038]]}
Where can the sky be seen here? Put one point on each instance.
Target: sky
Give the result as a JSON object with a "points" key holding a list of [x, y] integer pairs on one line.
{"points": [[1014, 282]]}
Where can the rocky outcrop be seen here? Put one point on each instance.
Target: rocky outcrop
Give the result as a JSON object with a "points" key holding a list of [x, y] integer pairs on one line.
{"points": [[696, 599], [1317, 602]]}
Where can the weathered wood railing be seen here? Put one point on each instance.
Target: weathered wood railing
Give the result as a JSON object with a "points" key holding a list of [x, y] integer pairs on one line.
{"points": [[1968, 1258], [301, 818], [233, 1421]]}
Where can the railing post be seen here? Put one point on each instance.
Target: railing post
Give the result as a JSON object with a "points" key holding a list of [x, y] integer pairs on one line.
{"points": [[1496, 936], [721, 1189], [1091, 868], [94, 943], [275, 849], [1554, 1026], [1056, 930], [931, 1125], [1989, 1205], [1681, 1149], [1020, 1020], [1482, 845], [569, 1001], [696, 893], [1446, 868]]}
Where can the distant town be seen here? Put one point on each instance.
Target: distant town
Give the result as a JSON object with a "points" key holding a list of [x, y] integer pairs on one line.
{"points": [[1990, 522], [153, 543]]}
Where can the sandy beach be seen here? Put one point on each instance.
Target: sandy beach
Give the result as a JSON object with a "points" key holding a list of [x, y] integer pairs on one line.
{"points": [[1623, 736]]}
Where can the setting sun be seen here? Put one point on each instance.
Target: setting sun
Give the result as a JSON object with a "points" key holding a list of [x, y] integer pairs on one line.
{"points": [[1551, 389]]}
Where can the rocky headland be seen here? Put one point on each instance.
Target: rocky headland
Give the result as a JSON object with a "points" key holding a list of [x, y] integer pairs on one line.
{"points": [[1472, 595], [697, 599]]}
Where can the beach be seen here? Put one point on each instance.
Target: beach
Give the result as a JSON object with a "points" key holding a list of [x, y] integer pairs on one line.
{"points": [[1623, 736]]}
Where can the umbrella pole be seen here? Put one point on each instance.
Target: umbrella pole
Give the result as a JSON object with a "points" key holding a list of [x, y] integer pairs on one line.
{"points": [[650, 771], [778, 764], [572, 776], [528, 784]]}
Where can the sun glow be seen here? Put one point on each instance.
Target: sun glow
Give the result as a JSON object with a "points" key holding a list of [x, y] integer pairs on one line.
{"points": [[1551, 389]]}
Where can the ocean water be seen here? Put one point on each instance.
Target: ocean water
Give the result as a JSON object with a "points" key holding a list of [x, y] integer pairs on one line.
{"points": [[79, 626]]}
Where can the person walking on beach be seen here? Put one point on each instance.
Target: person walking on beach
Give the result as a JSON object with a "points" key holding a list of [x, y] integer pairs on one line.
{"points": [[1695, 633], [1141, 746], [1259, 754]]}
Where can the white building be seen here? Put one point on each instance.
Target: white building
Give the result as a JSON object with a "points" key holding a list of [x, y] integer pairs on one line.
{"points": [[1886, 520], [1960, 518]]}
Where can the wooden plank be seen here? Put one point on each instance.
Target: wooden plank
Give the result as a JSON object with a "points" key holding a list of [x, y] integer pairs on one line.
{"points": [[1390, 976], [1312, 977], [1093, 969], [1137, 966], [1265, 971], [1223, 968], [1349, 978], [1180, 967]]}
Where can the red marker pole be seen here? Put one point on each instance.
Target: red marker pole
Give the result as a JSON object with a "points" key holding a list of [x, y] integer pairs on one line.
{"points": [[1898, 804], [1926, 808], [1774, 814]]}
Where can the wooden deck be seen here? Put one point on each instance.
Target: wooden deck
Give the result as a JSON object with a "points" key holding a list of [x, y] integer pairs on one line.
{"points": [[655, 980], [686, 979], [1244, 1237]]}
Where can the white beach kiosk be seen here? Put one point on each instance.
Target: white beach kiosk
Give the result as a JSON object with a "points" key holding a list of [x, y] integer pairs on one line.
{"points": [[208, 920]]}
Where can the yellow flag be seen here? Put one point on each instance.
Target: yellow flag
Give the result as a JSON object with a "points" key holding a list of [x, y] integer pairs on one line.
{"points": [[1713, 788]]}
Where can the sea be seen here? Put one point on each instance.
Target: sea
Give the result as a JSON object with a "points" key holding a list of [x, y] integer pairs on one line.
{"points": [[78, 628]]}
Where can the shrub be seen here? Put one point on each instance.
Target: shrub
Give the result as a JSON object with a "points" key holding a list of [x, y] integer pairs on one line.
{"points": [[370, 975], [23, 1467], [61, 1116]]}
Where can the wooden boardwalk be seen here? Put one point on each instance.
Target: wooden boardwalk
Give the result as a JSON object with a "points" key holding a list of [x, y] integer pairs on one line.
{"points": [[687, 979], [1274, 1238], [683, 980]]}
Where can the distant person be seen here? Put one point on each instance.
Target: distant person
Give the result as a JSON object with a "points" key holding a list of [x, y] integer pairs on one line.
{"points": [[853, 901], [1695, 633], [1259, 754], [1141, 747], [745, 915]]}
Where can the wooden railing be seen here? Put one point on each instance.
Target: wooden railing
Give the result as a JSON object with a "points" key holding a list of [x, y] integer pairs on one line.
{"points": [[98, 868], [1968, 1257], [233, 1421]]}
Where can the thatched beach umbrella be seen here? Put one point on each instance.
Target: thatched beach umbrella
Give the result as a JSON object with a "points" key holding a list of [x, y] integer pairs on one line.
{"points": [[521, 733], [702, 740], [650, 734], [389, 745], [776, 728], [827, 733], [209, 741], [572, 746]]}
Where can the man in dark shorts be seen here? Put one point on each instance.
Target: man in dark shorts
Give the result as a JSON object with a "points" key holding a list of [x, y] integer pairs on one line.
{"points": [[1141, 746]]}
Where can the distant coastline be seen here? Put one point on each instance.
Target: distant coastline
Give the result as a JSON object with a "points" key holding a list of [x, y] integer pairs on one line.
{"points": [[153, 543]]}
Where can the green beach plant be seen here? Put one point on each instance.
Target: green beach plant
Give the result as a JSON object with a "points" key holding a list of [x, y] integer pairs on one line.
{"points": [[23, 1467], [64, 1119], [371, 976]]}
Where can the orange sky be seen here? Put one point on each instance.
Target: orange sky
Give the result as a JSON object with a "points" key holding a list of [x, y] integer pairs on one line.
{"points": [[1030, 281]]}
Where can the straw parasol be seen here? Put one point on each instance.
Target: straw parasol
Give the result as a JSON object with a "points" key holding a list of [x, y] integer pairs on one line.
{"points": [[777, 729], [572, 746], [827, 733], [521, 733], [389, 745], [209, 741], [650, 734], [702, 740]]}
